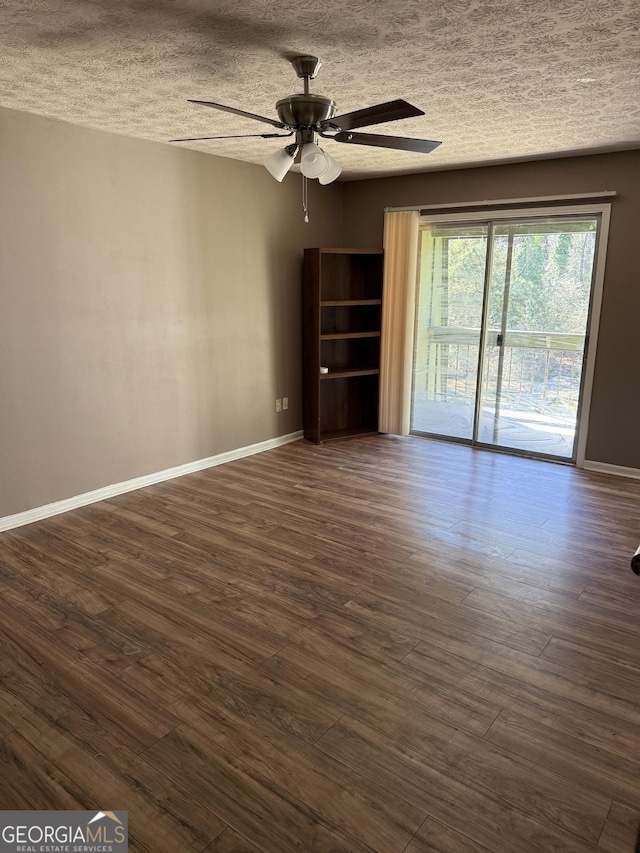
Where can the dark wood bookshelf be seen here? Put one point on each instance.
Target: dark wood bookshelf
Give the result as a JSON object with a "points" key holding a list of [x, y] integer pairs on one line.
{"points": [[338, 336], [344, 373], [342, 318], [339, 303], [334, 435]]}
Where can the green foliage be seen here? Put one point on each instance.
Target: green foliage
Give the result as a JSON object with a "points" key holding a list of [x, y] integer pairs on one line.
{"points": [[463, 279], [549, 283]]}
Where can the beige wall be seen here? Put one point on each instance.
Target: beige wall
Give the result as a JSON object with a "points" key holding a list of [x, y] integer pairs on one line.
{"points": [[149, 306], [614, 427]]}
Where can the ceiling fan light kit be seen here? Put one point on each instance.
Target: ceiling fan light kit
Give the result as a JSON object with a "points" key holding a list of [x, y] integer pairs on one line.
{"points": [[279, 163], [311, 116], [313, 161], [332, 172]]}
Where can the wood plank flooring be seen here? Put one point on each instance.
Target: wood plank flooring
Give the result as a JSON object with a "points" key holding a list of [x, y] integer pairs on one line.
{"points": [[375, 645]]}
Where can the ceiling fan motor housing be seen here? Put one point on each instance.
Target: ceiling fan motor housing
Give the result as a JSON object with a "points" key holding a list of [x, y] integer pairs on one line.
{"points": [[305, 110]]}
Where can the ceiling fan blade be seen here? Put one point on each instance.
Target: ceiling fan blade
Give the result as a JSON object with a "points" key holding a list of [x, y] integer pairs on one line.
{"points": [[237, 112], [402, 143], [238, 136], [390, 111]]}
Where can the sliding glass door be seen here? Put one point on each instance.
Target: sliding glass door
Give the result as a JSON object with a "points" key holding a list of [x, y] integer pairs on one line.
{"points": [[448, 328], [501, 331]]}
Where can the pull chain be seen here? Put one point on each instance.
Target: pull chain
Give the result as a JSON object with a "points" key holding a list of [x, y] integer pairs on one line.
{"points": [[304, 199]]}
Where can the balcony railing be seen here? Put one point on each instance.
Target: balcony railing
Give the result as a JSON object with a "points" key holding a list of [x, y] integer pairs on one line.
{"points": [[540, 370]]}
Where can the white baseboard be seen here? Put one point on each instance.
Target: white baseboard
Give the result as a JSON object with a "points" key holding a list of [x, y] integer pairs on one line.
{"points": [[616, 470], [40, 512]]}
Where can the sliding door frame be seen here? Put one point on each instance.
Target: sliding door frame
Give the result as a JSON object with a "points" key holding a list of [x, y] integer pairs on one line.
{"points": [[603, 212]]}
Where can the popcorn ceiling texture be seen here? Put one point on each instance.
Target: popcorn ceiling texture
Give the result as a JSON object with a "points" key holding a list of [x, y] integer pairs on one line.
{"points": [[497, 80]]}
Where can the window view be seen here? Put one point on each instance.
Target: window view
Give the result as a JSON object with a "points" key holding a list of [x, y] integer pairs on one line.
{"points": [[539, 286], [449, 314]]}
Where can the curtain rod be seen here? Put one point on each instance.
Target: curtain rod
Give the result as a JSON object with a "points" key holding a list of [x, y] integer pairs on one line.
{"points": [[500, 201]]}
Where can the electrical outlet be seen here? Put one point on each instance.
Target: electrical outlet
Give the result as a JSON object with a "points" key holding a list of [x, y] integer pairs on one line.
{"points": [[285, 404], [278, 405]]}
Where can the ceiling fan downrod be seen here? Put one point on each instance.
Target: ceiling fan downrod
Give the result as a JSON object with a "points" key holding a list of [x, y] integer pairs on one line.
{"points": [[307, 67], [305, 111]]}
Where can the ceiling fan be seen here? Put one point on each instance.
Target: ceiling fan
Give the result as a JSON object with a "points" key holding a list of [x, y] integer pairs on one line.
{"points": [[311, 116]]}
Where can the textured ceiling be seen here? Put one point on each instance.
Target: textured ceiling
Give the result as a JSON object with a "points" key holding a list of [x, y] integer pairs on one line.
{"points": [[497, 80]]}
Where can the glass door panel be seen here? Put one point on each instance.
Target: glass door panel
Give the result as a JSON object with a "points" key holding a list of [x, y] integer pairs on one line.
{"points": [[452, 265], [536, 320]]}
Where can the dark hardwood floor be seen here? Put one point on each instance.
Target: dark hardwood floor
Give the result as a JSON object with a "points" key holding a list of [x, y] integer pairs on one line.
{"points": [[375, 645]]}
